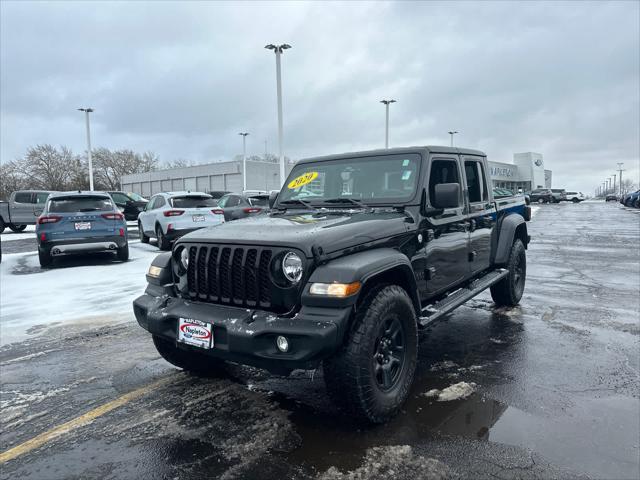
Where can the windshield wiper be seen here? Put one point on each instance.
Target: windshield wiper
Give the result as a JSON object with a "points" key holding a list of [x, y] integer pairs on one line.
{"points": [[346, 200], [295, 201]]}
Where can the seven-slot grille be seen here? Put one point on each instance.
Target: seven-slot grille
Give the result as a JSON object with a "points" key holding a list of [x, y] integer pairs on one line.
{"points": [[230, 275]]}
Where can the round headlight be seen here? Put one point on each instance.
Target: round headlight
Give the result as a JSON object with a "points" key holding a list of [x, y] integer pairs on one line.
{"points": [[184, 258], [292, 267]]}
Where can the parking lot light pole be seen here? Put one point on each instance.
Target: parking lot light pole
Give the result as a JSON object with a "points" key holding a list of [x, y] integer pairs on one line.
{"points": [[614, 183], [620, 177], [278, 49], [386, 123], [244, 160], [87, 111], [452, 133]]}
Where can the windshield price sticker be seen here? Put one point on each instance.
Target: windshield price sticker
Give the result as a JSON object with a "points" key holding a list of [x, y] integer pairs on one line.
{"points": [[302, 180]]}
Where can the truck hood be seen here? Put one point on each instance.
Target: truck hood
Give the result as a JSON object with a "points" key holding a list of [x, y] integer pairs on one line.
{"points": [[332, 231]]}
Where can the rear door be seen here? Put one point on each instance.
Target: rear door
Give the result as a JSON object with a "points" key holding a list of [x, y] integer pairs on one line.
{"points": [[481, 214], [22, 208], [147, 217], [445, 235]]}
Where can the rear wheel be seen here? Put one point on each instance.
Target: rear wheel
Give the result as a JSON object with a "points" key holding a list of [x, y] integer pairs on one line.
{"points": [[143, 237], [123, 253], [163, 242], [193, 362], [2, 225], [575, 200], [17, 228], [44, 255], [509, 290], [541, 200], [371, 375]]}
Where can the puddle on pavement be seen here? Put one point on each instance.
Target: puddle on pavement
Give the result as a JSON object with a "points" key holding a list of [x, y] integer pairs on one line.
{"points": [[593, 447]]}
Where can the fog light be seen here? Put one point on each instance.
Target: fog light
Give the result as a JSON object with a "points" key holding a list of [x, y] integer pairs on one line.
{"points": [[282, 343]]}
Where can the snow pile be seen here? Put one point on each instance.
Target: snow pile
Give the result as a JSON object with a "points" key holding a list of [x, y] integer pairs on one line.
{"points": [[394, 462], [457, 391]]}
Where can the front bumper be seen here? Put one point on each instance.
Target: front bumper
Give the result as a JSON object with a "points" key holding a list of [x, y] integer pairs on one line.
{"points": [[247, 336], [84, 245]]}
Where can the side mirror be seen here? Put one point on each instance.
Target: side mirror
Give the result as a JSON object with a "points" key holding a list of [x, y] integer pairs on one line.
{"points": [[273, 196], [447, 195]]}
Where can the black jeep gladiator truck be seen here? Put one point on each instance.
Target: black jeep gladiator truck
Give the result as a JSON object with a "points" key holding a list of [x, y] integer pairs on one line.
{"points": [[358, 253]]}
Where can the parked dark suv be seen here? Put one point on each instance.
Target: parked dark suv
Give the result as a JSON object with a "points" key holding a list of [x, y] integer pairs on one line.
{"points": [[542, 195]]}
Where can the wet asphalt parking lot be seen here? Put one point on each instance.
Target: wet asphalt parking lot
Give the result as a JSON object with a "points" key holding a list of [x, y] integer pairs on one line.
{"points": [[557, 381]]}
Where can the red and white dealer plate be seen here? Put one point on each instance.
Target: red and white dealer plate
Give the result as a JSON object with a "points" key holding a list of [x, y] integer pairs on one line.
{"points": [[196, 333]]}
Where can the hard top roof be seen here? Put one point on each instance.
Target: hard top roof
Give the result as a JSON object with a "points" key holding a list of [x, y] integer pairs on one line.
{"points": [[393, 151]]}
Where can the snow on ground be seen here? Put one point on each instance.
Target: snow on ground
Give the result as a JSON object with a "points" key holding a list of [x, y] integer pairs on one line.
{"points": [[534, 210], [29, 232], [75, 290], [456, 391]]}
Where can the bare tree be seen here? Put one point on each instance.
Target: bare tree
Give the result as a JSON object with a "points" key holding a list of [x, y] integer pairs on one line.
{"points": [[45, 167], [627, 186], [179, 163], [11, 178], [109, 167]]}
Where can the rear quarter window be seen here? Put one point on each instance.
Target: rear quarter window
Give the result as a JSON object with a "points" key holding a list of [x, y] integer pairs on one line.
{"points": [[80, 204]]}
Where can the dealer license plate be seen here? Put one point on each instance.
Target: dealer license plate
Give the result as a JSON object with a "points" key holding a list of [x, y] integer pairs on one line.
{"points": [[198, 218], [83, 225], [196, 333]]}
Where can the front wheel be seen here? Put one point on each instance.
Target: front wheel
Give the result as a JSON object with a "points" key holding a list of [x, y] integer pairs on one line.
{"points": [[509, 290], [17, 228], [371, 375], [193, 362], [575, 200], [143, 237], [541, 201], [163, 242]]}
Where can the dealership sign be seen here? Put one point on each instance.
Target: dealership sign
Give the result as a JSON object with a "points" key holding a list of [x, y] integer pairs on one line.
{"points": [[500, 172]]}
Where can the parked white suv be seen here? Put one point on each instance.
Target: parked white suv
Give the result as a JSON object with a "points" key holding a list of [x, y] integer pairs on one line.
{"points": [[575, 197], [171, 215]]}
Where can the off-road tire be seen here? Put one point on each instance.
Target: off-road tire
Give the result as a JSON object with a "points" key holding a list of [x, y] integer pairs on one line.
{"points": [[508, 291], [163, 242], [350, 375], [123, 253], [44, 256], [17, 228], [143, 237], [193, 362]]}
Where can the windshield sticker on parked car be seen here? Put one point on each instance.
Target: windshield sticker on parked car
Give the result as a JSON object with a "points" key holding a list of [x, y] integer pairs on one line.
{"points": [[302, 180]]}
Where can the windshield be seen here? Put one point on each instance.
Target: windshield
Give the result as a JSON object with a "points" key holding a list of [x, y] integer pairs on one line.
{"points": [[193, 201], [136, 197], [84, 203], [382, 179]]}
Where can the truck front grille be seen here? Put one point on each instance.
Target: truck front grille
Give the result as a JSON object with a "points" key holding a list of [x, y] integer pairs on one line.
{"points": [[230, 275]]}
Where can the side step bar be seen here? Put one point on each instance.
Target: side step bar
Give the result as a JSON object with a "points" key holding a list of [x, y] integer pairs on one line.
{"points": [[454, 300]]}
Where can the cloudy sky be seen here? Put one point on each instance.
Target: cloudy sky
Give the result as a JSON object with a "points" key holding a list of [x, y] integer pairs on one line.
{"points": [[182, 79]]}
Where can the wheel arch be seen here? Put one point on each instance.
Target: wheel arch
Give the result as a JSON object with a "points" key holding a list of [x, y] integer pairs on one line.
{"points": [[370, 268], [512, 227]]}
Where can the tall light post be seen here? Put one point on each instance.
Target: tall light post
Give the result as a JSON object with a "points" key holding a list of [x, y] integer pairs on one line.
{"points": [[244, 160], [87, 111], [278, 49], [386, 124], [620, 170], [604, 188], [452, 133], [614, 184]]}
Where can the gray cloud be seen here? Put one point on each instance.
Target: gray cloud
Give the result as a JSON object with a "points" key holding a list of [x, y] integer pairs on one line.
{"points": [[182, 79]]}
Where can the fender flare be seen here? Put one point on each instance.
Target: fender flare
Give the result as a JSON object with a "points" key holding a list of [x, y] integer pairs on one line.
{"points": [[362, 267], [512, 226]]}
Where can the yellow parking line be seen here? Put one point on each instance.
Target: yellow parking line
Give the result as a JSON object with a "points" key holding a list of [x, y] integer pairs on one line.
{"points": [[77, 422]]}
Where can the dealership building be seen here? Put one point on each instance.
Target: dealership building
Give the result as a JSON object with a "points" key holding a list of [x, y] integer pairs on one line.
{"points": [[526, 172]]}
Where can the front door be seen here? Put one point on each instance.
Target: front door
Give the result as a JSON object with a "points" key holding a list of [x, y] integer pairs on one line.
{"points": [[445, 236], [481, 215]]}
